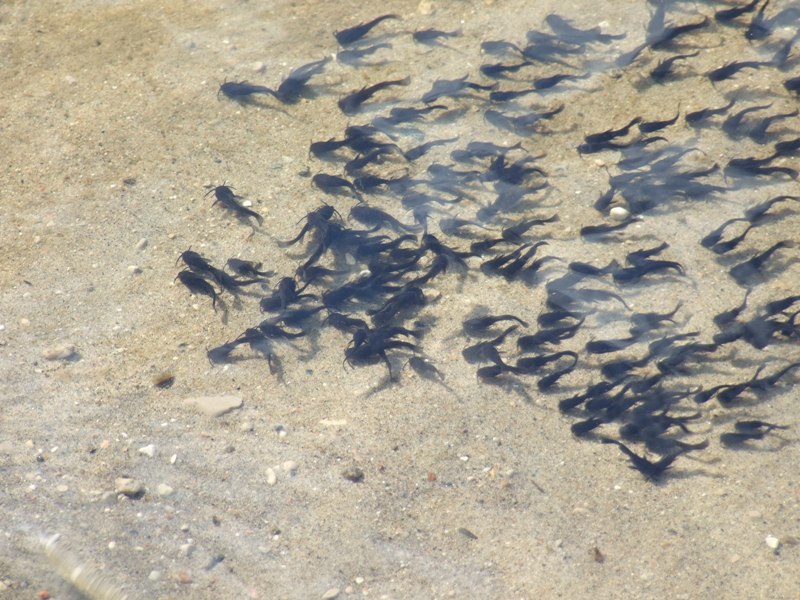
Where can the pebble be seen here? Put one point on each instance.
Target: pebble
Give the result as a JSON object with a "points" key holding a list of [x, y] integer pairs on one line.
{"points": [[215, 406], [772, 542], [134, 270], [149, 450], [330, 594], [259, 67], [141, 244], [162, 489], [246, 426], [59, 352], [272, 479], [619, 213], [289, 467], [132, 488], [154, 575]]}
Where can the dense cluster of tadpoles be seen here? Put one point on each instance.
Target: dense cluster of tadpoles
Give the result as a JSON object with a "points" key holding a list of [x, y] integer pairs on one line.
{"points": [[371, 282]]}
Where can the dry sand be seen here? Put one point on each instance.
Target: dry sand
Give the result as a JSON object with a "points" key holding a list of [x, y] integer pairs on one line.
{"points": [[112, 127]]}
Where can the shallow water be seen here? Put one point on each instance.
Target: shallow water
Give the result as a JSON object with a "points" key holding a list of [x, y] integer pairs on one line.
{"points": [[119, 127]]}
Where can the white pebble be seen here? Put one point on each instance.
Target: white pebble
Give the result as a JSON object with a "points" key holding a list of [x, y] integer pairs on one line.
{"points": [[154, 575], [272, 479], [772, 542], [259, 67], [134, 269], [246, 426], [162, 489], [330, 594], [149, 450], [141, 244], [60, 352], [173, 459], [289, 467], [23, 322], [128, 487], [619, 213]]}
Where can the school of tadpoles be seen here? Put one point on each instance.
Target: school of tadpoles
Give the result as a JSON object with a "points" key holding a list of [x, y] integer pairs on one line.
{"points": [[373, 281]]}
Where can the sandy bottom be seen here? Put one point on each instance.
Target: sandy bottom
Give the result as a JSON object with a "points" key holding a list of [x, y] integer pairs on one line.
{"points": [[113, 127]]}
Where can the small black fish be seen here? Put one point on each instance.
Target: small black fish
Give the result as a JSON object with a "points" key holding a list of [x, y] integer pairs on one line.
{"points": [[355, 33], [664, 68], [452, 87], [496, 70], [242, 90], [651, 470], [198, 285], [729, 14], [293, 87], [592, 230], [732, 68], [499, 47], [726, 317], [376, 217], [418, 151], [333, 184], [697, 117], [651, 126], [644, 322], [636, 272], [224, 195], [513, 234], [792, 85], [663, 36], [247, 268], [479, 326], [432, 37], [351, 103], [555, 335], [610, 134]]}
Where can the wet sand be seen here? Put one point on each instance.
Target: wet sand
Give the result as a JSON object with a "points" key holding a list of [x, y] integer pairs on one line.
{"points": [[113, 127]]}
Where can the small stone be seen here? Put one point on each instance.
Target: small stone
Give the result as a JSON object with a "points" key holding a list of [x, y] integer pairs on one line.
{"points": [[154, 575], [353, 473], [59, 352], [425, 7], [183, 577], [149, 450], [129, 487], [330, 594], [215, 406], [289, 467], [162, 489], [272, 479], [23, 322], [619, 213], [259, 67], [772, 542], [70, 80], [141, 244], [134, 270], [246, 426], [187, 549], [62, 488]]}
